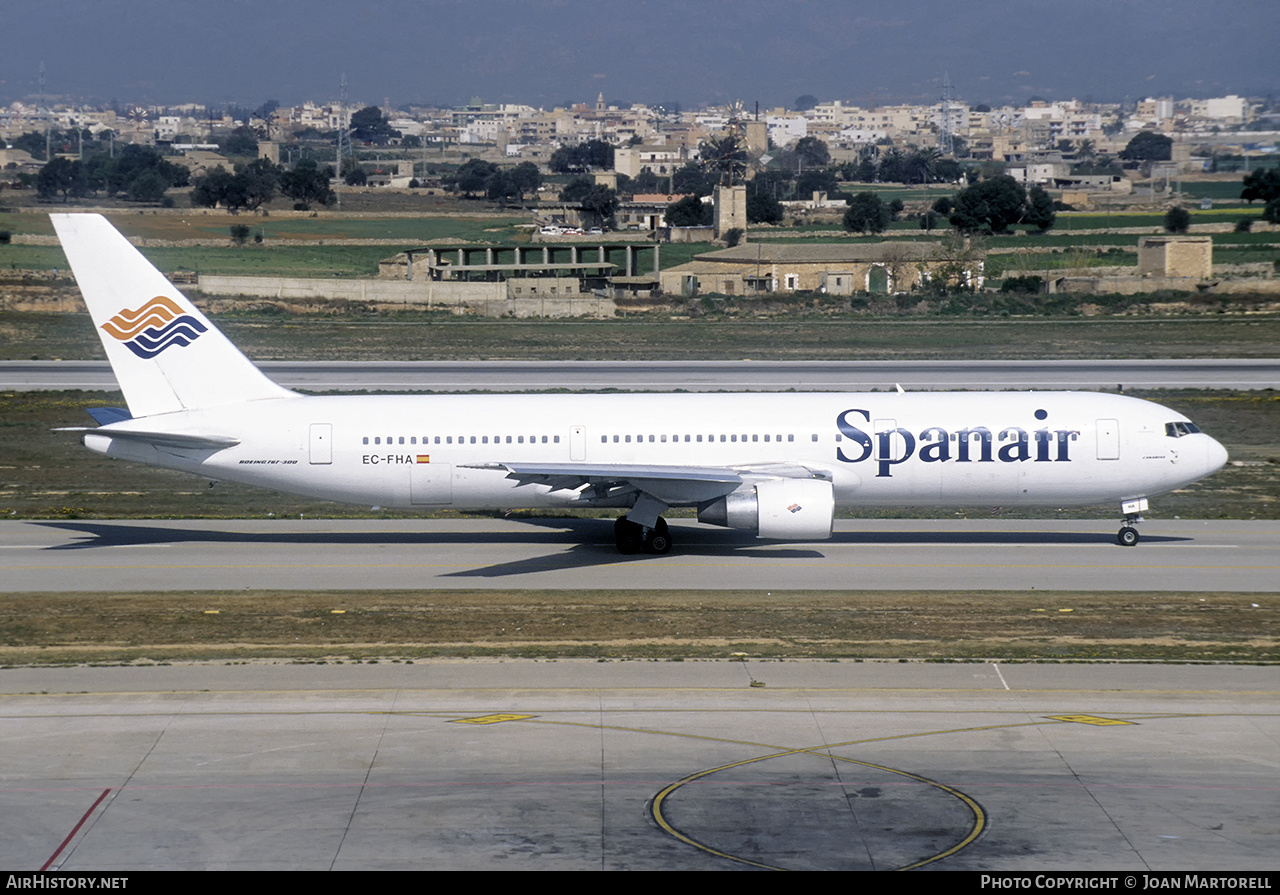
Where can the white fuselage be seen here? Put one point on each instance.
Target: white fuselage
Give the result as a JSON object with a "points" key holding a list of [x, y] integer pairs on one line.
{"points": [[880, 449]]}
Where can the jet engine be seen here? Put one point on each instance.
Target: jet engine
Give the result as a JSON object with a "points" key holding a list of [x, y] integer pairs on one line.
{"points": [[785, 509]]}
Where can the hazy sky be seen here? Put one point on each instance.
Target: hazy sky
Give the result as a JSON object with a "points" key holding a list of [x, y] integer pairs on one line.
{"points": [[546, 52]]}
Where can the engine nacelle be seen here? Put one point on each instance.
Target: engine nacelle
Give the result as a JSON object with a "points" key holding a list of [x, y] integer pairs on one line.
{"points": [[785, 509]]}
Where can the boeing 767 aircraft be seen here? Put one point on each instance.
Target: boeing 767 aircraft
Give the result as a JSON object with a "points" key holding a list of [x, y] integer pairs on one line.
{"points": [[777, 465]]}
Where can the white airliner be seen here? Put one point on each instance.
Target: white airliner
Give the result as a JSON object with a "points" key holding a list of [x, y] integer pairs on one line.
{"points": [[777, 465]]}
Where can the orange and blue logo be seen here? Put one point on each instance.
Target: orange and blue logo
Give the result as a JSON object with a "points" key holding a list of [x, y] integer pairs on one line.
{"points": [[156, 326]]}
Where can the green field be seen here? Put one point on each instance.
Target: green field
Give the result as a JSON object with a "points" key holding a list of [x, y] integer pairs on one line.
{"points": [[725, 334]]}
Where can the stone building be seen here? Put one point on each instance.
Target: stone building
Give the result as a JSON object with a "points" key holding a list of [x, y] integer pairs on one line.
{"points": [[831, 268], [1175, 256]]}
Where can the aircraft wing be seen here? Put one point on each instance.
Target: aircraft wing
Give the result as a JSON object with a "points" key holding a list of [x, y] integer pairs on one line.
{"points": [[671, 485]]}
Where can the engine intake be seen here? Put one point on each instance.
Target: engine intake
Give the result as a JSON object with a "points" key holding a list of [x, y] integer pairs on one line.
{"points": [[783, 509]]}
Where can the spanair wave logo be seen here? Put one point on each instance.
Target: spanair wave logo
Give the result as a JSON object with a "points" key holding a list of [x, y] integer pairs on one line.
{"points": [[158, 325]]}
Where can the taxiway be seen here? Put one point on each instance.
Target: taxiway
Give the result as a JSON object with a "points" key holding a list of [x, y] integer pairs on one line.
{"points": [[703, 376], [576, 765], [574, 553]]}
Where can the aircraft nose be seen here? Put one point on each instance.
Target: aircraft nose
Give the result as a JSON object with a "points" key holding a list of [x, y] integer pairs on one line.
{"points": [[1215, 456]]}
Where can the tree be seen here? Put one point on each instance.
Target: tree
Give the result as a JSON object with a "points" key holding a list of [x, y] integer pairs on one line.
{"points": [[502, 186], [577, 190], [947, 170], [867, 213], [990, 206], [251, 186], [1148, 147], [1177, 220], [473, 176], [763, 209], [526, 177], [369, 125], [1263, 184], [892, 167], [582, 157], [958, 261], [308, 183], [243, 141], [1040, 211], [813, 152], [602, 203], [690, 212], [148, 186], [61, 175], [819, 180], [922, 165], [805, 102], [356, 177], [692, 179], [259, 181], [209, 189]]}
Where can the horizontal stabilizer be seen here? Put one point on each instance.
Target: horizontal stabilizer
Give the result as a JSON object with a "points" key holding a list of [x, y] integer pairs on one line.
{"points": [[105, 416], [162, 439]]}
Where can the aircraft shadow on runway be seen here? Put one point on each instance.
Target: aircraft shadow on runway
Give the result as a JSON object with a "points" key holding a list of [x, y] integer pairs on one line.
{"points": [[590, 541]]}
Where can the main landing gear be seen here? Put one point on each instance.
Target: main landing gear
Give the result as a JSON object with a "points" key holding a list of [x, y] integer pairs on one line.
{"points": [[632, 537]]}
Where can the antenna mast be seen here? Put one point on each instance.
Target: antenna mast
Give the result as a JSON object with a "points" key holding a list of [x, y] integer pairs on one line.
{"points": [[946, 145]]}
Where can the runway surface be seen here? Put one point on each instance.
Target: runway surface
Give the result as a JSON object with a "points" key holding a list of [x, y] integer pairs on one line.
{"points": [[570, 554], [700, 376], [575, 765]]}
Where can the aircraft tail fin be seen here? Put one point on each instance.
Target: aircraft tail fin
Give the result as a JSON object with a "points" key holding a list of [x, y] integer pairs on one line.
{"points": [[165, 353]]}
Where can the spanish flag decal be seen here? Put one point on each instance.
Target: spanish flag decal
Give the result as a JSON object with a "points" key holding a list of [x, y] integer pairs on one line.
{"points": [[424, 458]]}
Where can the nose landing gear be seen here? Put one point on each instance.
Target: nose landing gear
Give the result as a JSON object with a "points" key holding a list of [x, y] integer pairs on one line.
{"points": [[1132, 509]]}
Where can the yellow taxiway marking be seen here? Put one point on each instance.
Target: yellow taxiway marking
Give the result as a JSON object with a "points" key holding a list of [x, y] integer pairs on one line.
{"points": [[1089, 719], [491, 719]]}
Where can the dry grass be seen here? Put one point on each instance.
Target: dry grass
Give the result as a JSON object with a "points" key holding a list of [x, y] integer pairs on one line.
{"points": [[398, 625]]}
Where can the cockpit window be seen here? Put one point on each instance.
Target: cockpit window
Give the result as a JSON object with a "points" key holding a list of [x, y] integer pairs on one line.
{"points": [[1177, 430]]}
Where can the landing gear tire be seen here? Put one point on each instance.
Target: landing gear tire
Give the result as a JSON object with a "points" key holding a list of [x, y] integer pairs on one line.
{"points": [[632, 538], [657, 540], [1128, 537], [628, 535]]}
